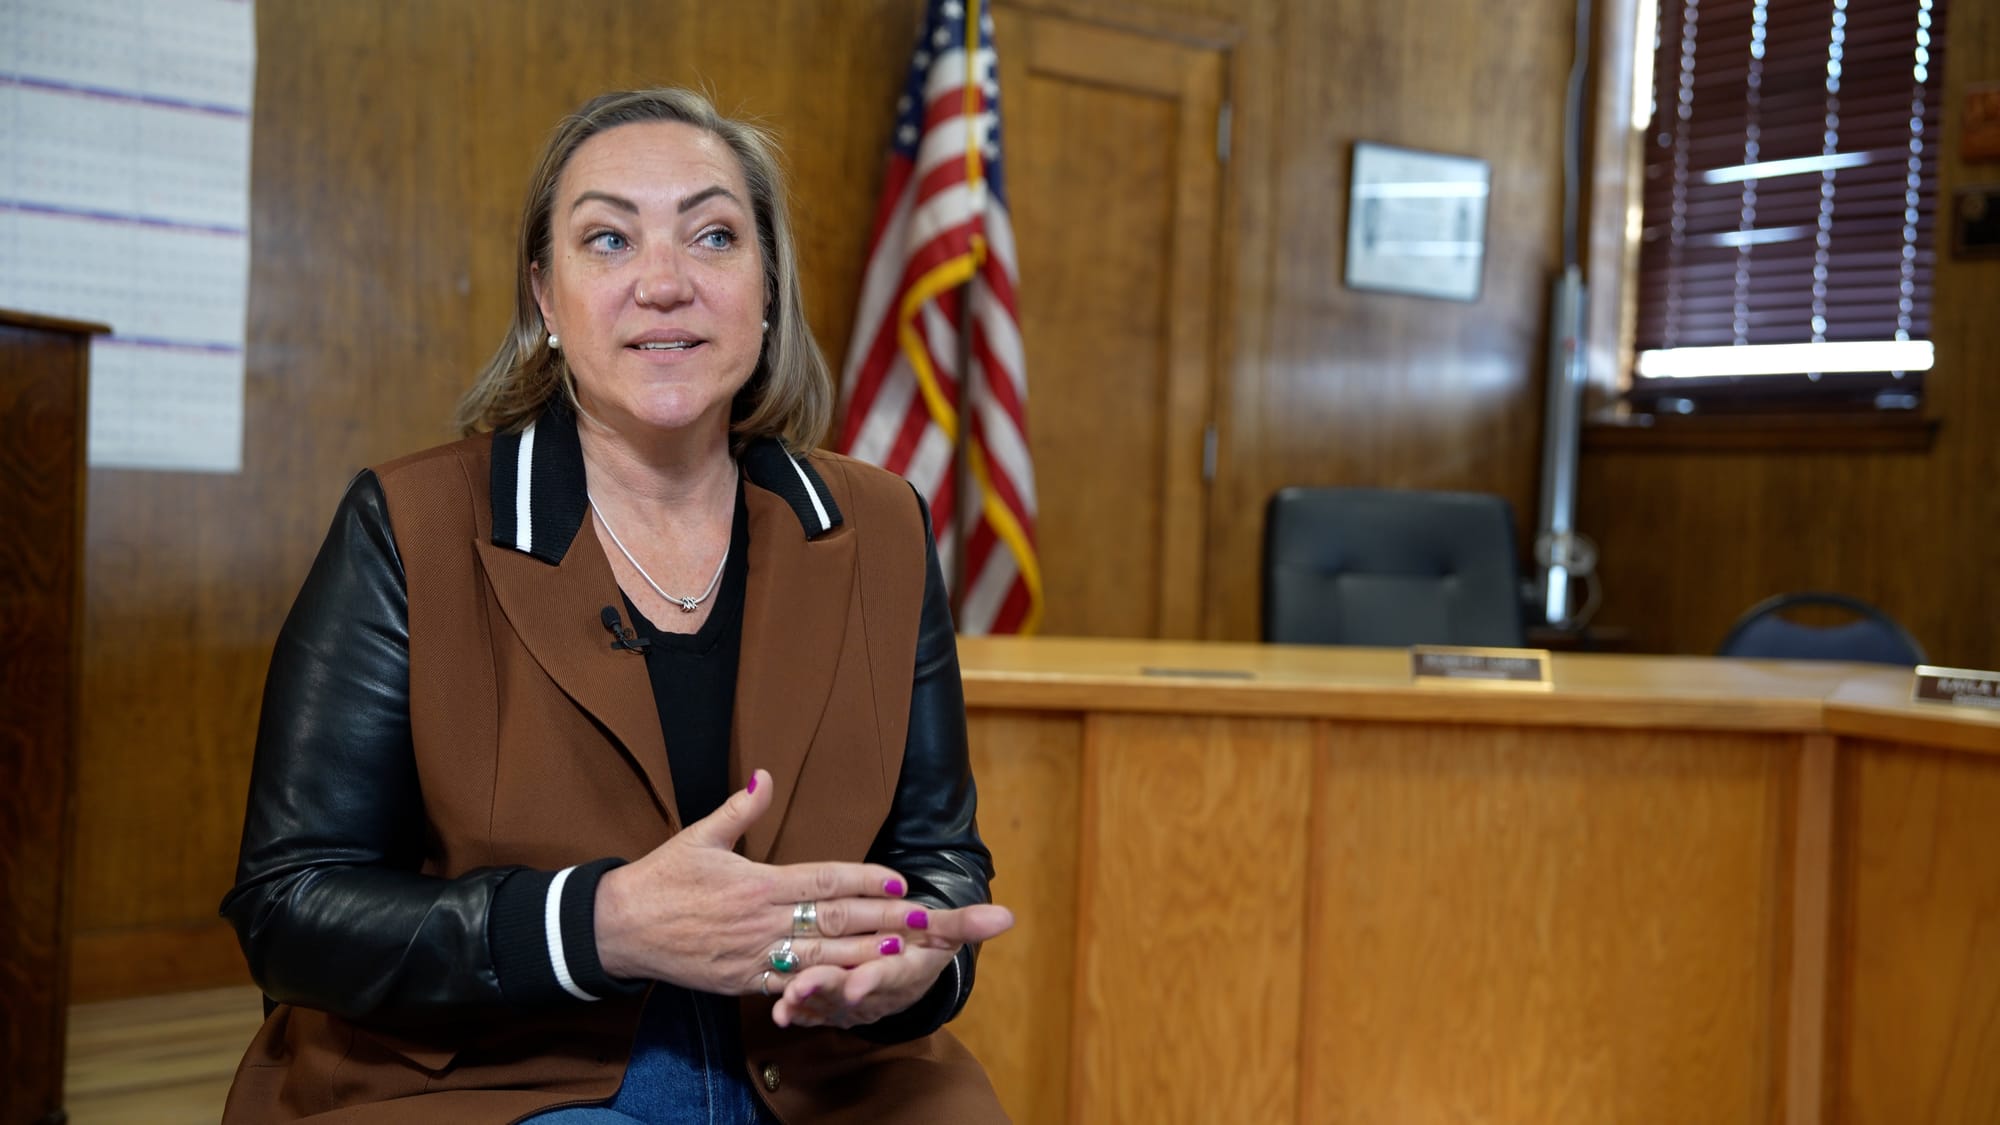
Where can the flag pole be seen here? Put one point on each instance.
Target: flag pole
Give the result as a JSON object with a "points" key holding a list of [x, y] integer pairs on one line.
{"points": [[965, 506]]}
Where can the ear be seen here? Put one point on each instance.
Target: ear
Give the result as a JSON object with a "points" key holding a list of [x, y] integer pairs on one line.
{"points": [[541, 291]]}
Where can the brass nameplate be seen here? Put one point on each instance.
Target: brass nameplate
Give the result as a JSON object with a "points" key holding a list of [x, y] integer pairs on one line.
{"points": [[1962, 686], [1518, 668]]}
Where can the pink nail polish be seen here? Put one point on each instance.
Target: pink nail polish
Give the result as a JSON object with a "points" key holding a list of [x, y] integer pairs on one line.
{"points": [[918, 920], [894, 887], [891, 946], [752, 787]]}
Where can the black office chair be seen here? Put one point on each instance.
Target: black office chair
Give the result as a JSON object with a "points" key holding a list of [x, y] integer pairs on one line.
{"points": [[1390, 567], [1873, 637]]}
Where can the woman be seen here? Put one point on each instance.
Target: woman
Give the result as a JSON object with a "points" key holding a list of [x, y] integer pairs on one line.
{"points": [[463, 738]]}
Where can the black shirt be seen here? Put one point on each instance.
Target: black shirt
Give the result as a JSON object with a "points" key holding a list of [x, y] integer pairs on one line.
{"points": [[694, 682]]}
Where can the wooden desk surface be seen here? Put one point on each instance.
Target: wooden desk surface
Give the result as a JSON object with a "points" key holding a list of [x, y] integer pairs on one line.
{"points": [[1589, 689]]}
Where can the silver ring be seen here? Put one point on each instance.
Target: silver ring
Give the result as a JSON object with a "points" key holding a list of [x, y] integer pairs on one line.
{"points": [[783, 960], [764, 983], [805, 919]]}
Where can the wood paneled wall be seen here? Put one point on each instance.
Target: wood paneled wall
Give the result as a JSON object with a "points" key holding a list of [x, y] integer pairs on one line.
{"points": [[1691, 539], [1323, 385]]}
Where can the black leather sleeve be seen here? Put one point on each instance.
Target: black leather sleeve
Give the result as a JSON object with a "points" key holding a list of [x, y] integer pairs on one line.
{"points": [[329, 905], [932, 834]]}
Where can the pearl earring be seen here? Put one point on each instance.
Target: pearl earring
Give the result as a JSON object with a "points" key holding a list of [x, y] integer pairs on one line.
{"points": [[555, 342], [767, 326]]}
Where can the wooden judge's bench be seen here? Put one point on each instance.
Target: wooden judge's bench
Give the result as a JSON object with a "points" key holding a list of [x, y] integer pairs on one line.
{"points": [[1285, 885]]}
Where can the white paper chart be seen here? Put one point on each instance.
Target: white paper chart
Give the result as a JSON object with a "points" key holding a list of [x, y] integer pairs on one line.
{"points": [[125, 199]]}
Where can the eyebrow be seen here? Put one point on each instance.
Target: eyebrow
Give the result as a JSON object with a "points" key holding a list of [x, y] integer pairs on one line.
{"points": [[686, 205], [706, 194], [618, 201]]}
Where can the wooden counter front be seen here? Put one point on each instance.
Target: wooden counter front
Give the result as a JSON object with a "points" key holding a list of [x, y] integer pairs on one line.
{"points": [[1270, 884]]}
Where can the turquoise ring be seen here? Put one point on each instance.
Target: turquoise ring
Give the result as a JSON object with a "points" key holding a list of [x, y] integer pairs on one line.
{"points": [[783, 960]]}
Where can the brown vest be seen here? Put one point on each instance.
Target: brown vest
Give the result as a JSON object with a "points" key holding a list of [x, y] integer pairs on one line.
{"points": [[539, 744]]}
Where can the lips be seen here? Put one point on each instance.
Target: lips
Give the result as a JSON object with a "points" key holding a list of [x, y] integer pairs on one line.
{"points": [[666, 340]]}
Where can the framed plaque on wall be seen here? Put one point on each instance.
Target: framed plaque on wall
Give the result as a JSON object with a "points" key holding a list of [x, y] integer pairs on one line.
{"points": [[1416, 222]]}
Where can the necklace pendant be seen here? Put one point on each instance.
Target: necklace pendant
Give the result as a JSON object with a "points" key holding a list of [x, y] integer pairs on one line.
{"points": [[688, 604]]}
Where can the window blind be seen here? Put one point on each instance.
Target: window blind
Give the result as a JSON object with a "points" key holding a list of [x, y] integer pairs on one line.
{"points": [[1791, 166]]}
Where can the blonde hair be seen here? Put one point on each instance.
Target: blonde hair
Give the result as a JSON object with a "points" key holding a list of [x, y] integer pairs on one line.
{"points": [[790, 395]]}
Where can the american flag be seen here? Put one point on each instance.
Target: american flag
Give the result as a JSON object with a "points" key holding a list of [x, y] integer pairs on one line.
{"points": [[937, 342]]}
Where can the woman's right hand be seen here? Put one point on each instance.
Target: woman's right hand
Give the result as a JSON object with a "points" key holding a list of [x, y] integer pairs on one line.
{"points": [[694, 913]]}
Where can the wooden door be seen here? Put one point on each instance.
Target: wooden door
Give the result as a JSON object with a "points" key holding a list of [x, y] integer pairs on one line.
{"points": [[1115, 188]]}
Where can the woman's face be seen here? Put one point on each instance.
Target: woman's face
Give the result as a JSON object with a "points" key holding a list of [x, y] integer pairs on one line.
{"points": [[655, 282]]}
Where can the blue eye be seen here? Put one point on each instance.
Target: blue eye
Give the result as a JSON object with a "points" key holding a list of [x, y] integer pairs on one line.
{"points": [[718, 238], [609, 241]]}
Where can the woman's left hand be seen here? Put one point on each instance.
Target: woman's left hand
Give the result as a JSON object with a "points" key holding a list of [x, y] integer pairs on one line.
{"points": [[832, 996]]}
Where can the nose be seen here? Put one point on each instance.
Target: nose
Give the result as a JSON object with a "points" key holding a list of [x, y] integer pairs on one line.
{"points": [[663, 281]]}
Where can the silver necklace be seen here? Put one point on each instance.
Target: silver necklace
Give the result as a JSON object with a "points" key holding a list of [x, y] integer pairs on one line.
{"points": [[688, 605]]}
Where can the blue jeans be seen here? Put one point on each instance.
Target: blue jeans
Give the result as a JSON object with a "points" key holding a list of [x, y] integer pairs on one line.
{"points": [[686, 1068]]}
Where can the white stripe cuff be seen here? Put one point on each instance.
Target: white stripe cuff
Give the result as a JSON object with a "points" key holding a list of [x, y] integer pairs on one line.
{"points": [[552, 927]]}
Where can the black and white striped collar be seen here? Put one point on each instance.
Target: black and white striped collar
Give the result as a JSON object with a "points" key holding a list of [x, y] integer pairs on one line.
{"points": [[540, 494]]}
